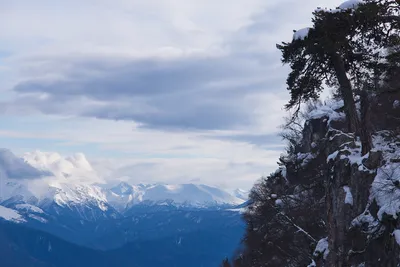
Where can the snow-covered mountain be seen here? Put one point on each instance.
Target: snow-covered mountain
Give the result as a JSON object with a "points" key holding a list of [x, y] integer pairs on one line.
{"points": [[58, 185], [241, 194], [124, 195], [65, 199]]}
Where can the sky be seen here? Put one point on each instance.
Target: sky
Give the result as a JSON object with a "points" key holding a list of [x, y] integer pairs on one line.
{"points": [[173, 91]]}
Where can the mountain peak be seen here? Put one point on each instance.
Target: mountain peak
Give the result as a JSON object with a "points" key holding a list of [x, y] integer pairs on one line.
{"points": [[122, 188], [125, 195]]}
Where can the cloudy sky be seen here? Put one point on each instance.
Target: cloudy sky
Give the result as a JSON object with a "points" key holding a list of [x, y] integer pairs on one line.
{"points": [[157, 90]]}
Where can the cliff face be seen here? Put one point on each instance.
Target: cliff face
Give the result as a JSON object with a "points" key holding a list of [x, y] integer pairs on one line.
{"points": [[362, 193], [329, 205]]}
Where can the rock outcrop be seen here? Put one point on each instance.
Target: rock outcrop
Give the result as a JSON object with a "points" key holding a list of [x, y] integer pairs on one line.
{"points": [[328, 204]]}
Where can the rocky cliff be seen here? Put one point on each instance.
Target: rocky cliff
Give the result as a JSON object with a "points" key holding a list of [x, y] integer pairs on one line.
{"points": [[327, 204]]}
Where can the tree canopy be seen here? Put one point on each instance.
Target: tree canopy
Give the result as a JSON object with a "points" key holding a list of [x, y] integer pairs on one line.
{"points": [[344, 48]]}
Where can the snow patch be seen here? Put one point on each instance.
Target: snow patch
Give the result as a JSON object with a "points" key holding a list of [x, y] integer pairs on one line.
{"points": [[37, 218], [305, 158], [28, 207], [386, 185], [350, 4], [301, 34], [332, 156], [349, 197], [330, 110], [322, 248], [10, 215], [279, 202], [367, 220], [312, 264], [396, 234]]}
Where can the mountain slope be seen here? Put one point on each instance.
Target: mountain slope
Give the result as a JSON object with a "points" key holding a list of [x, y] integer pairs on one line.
{"points": [[21, 246], [70, 187], [24, 247]]}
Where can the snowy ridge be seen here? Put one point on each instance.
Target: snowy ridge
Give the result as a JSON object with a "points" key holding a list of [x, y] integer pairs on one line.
{"points": [[42, 181], [124, 195]]}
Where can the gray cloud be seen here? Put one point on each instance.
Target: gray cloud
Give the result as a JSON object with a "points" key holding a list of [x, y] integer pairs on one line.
{"points": [[16, 168], [189, 93]]}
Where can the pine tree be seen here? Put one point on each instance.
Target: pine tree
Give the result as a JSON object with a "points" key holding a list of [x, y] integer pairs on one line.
{"points": [[342, 48]]}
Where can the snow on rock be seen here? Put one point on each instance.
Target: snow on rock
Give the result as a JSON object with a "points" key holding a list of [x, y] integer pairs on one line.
{"points": [[330, 110], [396, 234], [301, 34], [10, 215], [332, 156], [28, 207], [386, 185], [279, 202], [349, 197], [366, 219], [322, 248], [282, 171], [353, 155], [305, 158], [66, 193]]}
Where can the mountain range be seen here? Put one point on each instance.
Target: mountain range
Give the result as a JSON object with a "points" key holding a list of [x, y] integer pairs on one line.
{"points": [[65, 199]]}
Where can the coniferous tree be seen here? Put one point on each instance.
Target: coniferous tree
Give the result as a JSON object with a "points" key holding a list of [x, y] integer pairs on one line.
{"points": [[342, 48], [351, 49]]}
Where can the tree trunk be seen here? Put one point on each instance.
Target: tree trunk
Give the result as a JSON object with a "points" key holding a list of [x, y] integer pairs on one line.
{"points": [[346, 92], [365, 129]]}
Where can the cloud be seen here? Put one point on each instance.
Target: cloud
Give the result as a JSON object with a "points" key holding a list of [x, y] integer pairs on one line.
{"points": [[196, 87], [13, 167], [194, 92], [217, 172]]}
